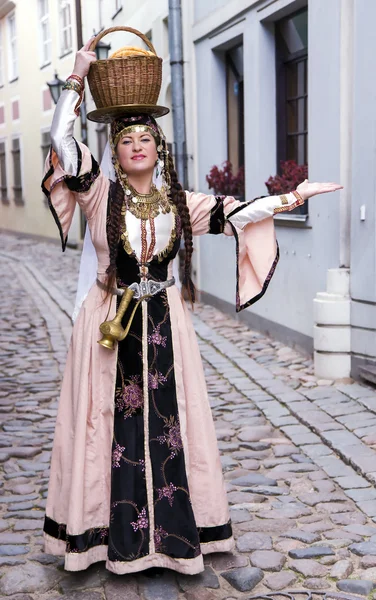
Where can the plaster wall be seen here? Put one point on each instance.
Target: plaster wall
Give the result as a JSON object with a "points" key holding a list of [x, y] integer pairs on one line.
{"points": [[363, 217], [307, 251]]}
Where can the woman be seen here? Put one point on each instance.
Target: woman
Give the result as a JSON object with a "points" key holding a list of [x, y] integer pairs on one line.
{"points": [[135, 474]]}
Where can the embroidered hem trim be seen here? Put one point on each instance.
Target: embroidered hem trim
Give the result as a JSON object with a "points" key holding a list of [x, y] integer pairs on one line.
{"points": [[78, 562], [187, 566], [220, 546], [60, 543]]}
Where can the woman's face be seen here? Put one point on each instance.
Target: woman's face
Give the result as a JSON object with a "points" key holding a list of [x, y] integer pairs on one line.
{"points": [[137, 153]]}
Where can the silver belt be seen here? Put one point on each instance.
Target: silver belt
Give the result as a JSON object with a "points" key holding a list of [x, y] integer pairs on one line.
{"points": [[144, 288]]}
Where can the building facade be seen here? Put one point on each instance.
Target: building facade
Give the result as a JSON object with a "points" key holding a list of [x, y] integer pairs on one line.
{"points": [[37, 39], [265, 81], [298, 74]]}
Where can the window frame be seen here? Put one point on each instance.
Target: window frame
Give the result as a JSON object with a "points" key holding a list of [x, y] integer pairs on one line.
{"points": [[45, 44], [118, 7], [230, 66], [283, 59], [102, 139], [4, 197], [165, 35], [100, 15], [235, 133], [65, 29], [44, 146], [12, 47], [17, 170]]}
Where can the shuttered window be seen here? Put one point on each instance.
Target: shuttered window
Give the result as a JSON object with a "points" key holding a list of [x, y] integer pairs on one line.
{"points": [[17, 176], [3, 174]]}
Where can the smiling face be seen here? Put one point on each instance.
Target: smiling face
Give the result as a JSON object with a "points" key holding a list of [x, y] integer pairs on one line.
{"points": [[137, 153]]}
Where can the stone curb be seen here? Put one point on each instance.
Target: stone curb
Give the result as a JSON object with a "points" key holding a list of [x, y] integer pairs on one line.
{"points": [[279, 403], [65, 305], [58, 323]]}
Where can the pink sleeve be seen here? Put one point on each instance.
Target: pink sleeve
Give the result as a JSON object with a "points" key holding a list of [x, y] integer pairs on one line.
{"points": [[256, 246], [87, 188]]}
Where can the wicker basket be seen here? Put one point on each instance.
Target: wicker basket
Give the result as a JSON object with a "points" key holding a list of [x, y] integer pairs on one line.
{"points": [[126, 80]]}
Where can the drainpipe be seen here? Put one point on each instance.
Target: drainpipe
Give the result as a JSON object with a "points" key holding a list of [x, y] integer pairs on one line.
{"points": [[175, 34]]}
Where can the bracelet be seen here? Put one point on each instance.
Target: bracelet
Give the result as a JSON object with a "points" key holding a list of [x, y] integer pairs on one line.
{"points": [[285, 206], [76, 78], [298, 197], [73, 85]]}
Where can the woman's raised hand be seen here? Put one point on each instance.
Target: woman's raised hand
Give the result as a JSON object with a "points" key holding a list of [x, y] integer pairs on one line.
{"points": [[84, 58], [307, 189]]}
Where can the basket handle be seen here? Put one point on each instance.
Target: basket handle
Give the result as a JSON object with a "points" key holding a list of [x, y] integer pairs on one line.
{"points": [[122, 28]]}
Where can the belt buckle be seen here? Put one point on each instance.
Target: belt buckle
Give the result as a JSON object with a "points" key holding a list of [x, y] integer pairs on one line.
{"points": [[135, 287], [144, 288]]}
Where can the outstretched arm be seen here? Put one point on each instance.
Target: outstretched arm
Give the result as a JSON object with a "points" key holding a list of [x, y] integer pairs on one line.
{"points": [[65, 114], [268, 206]]}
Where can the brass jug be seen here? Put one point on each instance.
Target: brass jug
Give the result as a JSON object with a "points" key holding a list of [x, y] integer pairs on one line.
{"points": [[113, 331]]}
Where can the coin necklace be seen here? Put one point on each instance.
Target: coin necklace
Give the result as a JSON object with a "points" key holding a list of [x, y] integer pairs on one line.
{"points": [[145, 206]]}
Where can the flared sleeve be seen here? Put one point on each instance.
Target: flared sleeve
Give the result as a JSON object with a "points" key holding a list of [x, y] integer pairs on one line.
{"points": [[251, 224], [72, 175], [63, 191]]}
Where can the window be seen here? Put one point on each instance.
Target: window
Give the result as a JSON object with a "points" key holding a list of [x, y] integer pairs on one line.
{"points": [[46, 100], [235, 107], [44, 32], [102, 138], [1, 57], [12, 40], [166, 48], [100, 14], [45, 145], [65, 26], [292, 90], [118, 6], [3, 174], [17, 177]]}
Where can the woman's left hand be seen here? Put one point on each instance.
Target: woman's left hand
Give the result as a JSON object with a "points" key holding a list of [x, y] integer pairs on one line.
{"points": [[307, 189]]}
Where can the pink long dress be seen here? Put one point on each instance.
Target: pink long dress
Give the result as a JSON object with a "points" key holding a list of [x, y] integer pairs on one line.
{"points": [[136, 478]]}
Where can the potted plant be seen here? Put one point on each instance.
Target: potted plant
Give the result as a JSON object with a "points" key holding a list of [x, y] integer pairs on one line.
{"points": [[223, 181], [291, 175]]}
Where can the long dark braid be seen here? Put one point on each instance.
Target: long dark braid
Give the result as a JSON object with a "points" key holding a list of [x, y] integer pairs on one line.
{"points": [[116, 199], [179, 199]]}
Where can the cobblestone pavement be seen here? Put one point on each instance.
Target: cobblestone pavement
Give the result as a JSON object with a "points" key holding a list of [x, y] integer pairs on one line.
{"points": [[298, 454]]}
